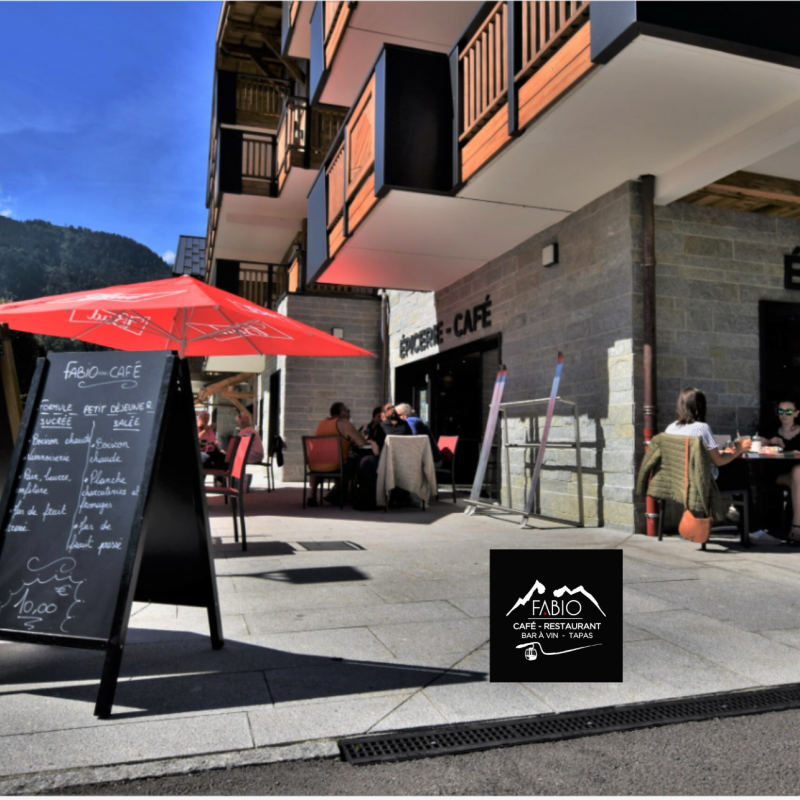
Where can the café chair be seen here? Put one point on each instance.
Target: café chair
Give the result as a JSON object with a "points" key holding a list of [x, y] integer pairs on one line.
{"points": [[673, 461], [221, 475], [236, 487], [323, 450], [447, 447]]}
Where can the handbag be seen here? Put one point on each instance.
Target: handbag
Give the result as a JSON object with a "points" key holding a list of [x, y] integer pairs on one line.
{"points": [[695, 529]]}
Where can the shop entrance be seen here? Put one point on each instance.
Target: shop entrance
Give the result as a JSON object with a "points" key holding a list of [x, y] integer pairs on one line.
{"points": [[452, 392], [780, 358]]}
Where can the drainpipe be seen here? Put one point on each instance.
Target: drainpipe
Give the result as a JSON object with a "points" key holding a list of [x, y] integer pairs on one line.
{"points": [[649, 292], [385, 344]]}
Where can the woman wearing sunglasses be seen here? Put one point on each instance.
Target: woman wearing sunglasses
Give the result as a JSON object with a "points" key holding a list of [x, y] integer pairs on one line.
{"points": [[788, 437]]}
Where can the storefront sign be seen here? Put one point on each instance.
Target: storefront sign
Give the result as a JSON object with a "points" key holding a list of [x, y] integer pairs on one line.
{"points": [[469, 321]]}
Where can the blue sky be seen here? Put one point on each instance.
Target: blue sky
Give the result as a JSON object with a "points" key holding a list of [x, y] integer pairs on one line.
{"points": [[105, 112]]}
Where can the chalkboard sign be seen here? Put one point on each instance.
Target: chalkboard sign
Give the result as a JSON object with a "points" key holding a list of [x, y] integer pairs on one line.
{"points": [[105, 505]]}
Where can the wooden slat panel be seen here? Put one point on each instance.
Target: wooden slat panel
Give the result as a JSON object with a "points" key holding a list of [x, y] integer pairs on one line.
{"points": [[483, 88], [361, 204], [360, 139], [334, 38], [486, 142], [546, 27], [558, 75], [336, 238], [336, 187]]}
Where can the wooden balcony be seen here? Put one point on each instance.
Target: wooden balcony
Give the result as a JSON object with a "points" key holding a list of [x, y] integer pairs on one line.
{"points": [[249, 100], [408, 147], [346, 38], [544, 46], [305, 135]]}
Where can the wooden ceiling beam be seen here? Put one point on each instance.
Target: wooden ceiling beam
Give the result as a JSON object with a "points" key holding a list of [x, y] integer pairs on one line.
{"points": [[749, 191]]}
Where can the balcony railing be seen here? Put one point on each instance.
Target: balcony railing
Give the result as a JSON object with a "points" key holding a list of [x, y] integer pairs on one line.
{"points": [[259, 101], [264, 286], [484, 67], [258, 160], [305, 136], [545, 26], [502, 87]]}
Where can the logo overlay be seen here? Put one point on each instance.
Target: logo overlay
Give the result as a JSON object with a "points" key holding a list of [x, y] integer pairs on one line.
{"points": [[555, 616]]}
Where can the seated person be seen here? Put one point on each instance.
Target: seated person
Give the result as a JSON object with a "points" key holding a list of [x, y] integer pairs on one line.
{"points": [[210, 454], [788, 437], [245, 424], [691, 411], [368, 428], [419, 428], [392, 425], [338, 424]]}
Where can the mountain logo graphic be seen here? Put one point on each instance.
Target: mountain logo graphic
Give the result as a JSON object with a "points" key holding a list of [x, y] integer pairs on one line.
{"points": [[539, 588], [521, 601]]}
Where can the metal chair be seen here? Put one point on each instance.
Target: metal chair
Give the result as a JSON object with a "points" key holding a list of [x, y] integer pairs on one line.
{"points": [[222, 474], [237, 486], [447, 447], [323, 450]]}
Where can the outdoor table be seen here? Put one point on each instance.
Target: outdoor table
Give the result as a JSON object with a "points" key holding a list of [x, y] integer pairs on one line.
{"points": [[406, 463], [758, 465]]}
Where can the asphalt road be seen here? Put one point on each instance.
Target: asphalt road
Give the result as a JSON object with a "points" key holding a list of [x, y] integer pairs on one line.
{"points": [[753, 755]]}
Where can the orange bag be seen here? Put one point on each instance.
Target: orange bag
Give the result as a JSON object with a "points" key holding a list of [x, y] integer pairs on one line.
{"points": [[695, 529]]}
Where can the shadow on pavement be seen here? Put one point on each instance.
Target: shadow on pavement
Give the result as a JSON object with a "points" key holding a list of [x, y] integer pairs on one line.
{"points": [[153, 679]]}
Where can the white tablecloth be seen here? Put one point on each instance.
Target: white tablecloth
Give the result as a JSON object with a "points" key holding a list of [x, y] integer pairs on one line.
{"points": [[406, 463]]}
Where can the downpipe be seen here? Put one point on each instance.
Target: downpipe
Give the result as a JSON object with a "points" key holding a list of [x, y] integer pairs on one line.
{"points": [[649, 338]]}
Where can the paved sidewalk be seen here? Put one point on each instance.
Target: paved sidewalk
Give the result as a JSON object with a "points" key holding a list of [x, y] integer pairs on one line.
{"points": [[340, 623]]}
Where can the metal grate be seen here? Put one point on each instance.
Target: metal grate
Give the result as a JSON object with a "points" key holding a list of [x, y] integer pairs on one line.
{"points": [[445, 740]]}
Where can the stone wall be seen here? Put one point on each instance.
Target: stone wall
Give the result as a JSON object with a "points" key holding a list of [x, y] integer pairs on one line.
{"points": [[588, 308], [310, 385], [713, 266]]}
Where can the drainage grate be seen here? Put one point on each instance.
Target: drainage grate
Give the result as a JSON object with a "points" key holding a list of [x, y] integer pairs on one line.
{"points": [[445, 740]]}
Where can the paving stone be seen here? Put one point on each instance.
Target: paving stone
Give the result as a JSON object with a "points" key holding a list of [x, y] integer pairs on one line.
{"points": [[164, 630], [351, 643], [754, 656], [791, 638], [350, 617], [113, 744], [674, 667], [294, 723], [353, 678], [634, 601], [410, 592], [418, 640], [414, 712], [474, 606], [746, 603], [574, 696], [67, 706]]}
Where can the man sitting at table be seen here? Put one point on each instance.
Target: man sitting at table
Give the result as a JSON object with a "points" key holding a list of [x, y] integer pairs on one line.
{"points": [[338, 424], [419, 428]]}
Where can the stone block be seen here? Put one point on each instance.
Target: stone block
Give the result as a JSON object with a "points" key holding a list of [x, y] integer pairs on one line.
{"points": [[765, 253], [708, 246]]}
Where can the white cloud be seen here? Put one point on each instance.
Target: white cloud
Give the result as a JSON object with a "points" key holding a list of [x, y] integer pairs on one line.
{"points": [[6, 212], [169, 257]]}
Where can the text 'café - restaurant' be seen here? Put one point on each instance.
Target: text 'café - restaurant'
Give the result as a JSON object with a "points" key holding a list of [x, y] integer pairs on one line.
{"points": [[457, 186]]}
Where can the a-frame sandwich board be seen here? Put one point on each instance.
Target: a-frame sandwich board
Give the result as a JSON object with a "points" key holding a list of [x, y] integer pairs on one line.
{"points": [[104, 505]]}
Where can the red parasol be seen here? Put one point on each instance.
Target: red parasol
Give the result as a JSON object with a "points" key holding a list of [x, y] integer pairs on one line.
{"points": [[180, 314]]}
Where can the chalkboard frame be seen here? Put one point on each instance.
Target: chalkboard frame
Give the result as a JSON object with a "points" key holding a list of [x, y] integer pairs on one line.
{"points": [[174, 414]]}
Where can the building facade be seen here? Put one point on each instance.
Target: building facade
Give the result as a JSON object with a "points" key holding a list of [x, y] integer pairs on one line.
{"points": [[459, 187]]}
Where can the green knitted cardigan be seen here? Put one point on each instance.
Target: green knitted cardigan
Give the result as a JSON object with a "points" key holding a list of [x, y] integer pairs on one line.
{"points": [[666, 459]]}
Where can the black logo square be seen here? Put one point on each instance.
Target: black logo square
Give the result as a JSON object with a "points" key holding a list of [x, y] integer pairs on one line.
{"points": [[555, 616]]}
